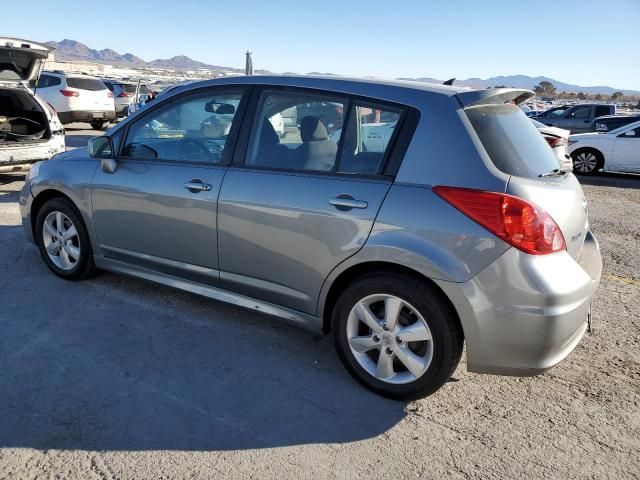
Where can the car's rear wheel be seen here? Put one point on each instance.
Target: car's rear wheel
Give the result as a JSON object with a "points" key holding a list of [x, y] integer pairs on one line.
{"points": [[98, 124], [396, 336], [587, 161], [63, 241]]}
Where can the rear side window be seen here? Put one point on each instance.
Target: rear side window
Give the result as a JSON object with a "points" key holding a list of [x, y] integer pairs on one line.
{"points": [[46, 81], [512, 141], [92, 84], [600, 111], [319, 132]]}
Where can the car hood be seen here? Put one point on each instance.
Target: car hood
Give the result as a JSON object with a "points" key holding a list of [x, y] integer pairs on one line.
{"points": [[21, 60]]}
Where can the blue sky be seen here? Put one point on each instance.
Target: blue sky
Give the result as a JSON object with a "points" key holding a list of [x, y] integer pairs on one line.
{"points": [[582, 42]]}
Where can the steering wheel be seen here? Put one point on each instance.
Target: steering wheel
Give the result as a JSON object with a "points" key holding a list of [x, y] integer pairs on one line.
{"points": [[192, 148]]}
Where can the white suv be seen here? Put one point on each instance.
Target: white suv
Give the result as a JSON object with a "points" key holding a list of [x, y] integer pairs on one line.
{"points": [[29, 128], [77, 98]]}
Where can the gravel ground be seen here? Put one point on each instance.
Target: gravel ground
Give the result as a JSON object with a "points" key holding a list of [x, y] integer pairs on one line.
{"points": [[115, 378]]}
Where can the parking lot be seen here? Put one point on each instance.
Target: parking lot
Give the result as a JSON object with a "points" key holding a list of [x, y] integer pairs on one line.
{"points": [[116, 378]]}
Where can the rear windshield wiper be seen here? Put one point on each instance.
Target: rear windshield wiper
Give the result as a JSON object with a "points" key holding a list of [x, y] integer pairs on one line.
{"points": [[556, 172]]}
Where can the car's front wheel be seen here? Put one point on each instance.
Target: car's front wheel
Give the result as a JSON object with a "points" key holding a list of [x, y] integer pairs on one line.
{"points": [[63, 241], [396, 336]]}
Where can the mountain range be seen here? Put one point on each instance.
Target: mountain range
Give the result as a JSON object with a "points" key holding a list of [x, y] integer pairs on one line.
{"points": [[71, 50]]}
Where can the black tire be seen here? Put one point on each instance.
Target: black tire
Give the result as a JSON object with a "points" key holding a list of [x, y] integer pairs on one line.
{"points": [[98, 124], [84, 266], [575, 157], [429, 302]]}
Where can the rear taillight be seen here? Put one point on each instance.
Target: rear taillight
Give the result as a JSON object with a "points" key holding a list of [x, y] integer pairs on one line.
{"points": [[125, 94], [516, 221], [109, 94], [555, 141], [69, 93]]}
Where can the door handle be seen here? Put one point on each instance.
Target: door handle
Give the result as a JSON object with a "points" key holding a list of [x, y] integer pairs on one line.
{"points": [[347, 202], [196, 185]]}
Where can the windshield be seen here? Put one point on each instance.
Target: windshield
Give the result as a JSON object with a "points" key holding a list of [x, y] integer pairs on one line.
{"points": [[512, 141], [85, 83]]}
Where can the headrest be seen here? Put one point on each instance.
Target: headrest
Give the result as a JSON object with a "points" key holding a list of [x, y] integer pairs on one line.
{"points": [[312, 130], [268, 136]]}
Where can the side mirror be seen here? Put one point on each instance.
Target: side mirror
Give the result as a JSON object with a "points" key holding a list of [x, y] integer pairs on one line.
{"points": [[630, 133], [102, 148]]}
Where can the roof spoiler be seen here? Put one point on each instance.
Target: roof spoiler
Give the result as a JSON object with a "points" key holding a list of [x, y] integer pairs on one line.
{"points": [[495, 96]]}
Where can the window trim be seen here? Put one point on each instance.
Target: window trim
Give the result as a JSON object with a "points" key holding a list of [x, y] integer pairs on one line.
{"points": [[393, 156], [230, 145]]}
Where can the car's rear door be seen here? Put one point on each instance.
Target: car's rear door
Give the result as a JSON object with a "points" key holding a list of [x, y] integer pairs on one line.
{"points": [[294, 206], [158, 209]]}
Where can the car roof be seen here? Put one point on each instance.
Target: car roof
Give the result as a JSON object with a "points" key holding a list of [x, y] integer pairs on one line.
{"points": [[392, 90], [335, 83]]}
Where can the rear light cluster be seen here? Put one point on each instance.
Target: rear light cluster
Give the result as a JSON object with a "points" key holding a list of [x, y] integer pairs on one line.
{"points": [[125, 94], [109, 94], [70, 93], [516, 221], [555, 141]]}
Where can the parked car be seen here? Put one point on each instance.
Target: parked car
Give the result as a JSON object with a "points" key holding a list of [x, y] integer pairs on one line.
{"points": [[614, 151], [77, 98], [124, 95], [29, 128], [579, 118], [558, 140], [457, 228], [611, 122]]}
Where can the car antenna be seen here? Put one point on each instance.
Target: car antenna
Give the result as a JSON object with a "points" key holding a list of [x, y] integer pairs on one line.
{"points": [[450, 81]]}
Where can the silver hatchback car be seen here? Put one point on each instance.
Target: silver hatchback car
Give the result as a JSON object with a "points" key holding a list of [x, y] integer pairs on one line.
{"points": [[404, 218]]}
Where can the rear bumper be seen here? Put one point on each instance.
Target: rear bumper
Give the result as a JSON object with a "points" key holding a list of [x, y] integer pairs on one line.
{"points": [[16, 156], [86, 115], [523, 314]]}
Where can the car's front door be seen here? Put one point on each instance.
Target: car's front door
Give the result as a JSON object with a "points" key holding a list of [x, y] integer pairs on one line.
{"points": [[577, 119], [302, 201], [626, 151], [158, 209]]}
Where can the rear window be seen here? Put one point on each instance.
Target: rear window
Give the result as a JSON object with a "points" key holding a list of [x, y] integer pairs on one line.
{"points": [[85, 83], [511, 140], [127, 87], [15, 65]]}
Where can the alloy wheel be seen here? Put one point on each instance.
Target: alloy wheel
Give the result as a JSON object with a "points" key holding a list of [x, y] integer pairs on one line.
{"points": [[389, 339], [585, 162], [61, 240]]}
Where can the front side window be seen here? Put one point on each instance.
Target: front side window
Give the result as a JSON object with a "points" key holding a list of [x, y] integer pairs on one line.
{"points": [[318, 132], [191, 129]]}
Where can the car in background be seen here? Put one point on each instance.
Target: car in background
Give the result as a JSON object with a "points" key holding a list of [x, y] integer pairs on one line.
{"points": [[558, 140], [611, 122], [454, 228], [77, 98], [614, 151], [124, 95], [29, 128], [579, 118]]}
